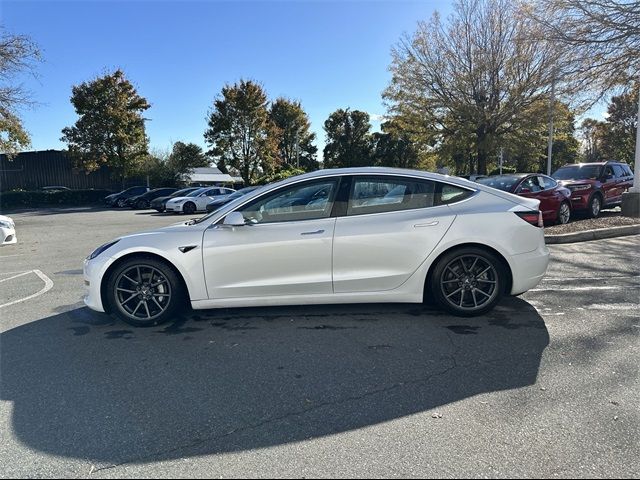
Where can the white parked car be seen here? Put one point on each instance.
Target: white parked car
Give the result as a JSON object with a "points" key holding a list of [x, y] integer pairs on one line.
{"points": [[7, 231], [197, 200], [333, 236]]}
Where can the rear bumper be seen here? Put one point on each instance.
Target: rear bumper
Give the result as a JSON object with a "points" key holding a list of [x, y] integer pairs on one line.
{"points": [[527, 269]]}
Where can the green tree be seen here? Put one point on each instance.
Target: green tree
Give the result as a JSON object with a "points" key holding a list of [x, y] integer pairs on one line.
{"points": [[295, 142], [591, 132], [110, 130], [240, 132], [472, 77], [619, 129], [348, 139], [184, 158], [393, 147], [18, 54]]}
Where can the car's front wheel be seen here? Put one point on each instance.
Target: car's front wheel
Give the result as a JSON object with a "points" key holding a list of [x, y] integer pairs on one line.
{"points": [[121, 203], [144, 292], [564, 213], [468, 281], [142, 204], [595, 205], [189, 208]]}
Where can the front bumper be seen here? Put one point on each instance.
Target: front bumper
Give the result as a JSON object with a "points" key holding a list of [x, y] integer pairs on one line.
{"points": [[93, 271], [8, 236], [174, 207], [580, 199]]}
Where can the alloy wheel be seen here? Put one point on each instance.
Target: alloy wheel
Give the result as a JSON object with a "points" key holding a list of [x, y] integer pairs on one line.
{"points": [[469, 282], [142, 292], [565, 213], [595, 206]]}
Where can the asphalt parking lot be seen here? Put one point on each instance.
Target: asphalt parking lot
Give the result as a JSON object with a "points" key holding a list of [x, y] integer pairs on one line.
{"points": [[546, 385]]}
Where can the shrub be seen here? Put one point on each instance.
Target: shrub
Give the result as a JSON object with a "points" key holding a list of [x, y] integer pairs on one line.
{"points": [[505, 171], [39, 198]]}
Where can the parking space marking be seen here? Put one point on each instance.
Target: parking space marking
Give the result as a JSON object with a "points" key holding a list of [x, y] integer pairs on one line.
{"points": [[580, 289], [16, 255], [48, 285], [16, 276]]}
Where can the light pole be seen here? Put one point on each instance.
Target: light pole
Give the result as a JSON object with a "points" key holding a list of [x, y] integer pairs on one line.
{"points": [[631, 199], [550, 141]]}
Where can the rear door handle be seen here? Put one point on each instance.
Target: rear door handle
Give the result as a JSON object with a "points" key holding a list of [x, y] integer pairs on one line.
{"points": [[317, 232], [430, 224]]}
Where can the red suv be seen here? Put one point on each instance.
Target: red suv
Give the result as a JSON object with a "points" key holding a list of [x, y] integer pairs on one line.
{"points": [[595, 186]]}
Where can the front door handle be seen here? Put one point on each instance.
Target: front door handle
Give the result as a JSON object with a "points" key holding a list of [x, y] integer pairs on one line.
{"points": [[317, 232]]}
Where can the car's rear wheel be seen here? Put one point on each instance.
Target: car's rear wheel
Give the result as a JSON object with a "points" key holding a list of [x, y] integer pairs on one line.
{"points": [[564, 213], [144, 292], [595, 206], [468, 281], [189, 208]]}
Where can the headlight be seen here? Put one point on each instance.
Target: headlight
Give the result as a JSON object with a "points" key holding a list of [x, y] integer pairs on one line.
{"points": [[7, 224], [101, 249], [575, 188]]}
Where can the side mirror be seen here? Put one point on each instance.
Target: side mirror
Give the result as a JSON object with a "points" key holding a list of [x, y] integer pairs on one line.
{"points": [[234, 219]]}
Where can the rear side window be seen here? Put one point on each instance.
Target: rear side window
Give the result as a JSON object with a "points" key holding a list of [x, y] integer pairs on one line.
{"points": [[619, 171], [388, 194], [530, 184], [446, 193]]}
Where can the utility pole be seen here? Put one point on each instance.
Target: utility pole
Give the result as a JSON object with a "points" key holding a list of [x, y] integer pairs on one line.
{"points": [[636, 168], [631, 199], [501, 159], [550, 141], [297, 151]]}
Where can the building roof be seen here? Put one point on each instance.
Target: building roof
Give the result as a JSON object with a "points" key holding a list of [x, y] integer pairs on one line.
{"points": [[208, 174]]}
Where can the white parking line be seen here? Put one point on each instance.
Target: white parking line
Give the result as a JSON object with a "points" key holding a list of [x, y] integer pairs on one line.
{"points": [[16, 276], [48, 285], [580, 289]]}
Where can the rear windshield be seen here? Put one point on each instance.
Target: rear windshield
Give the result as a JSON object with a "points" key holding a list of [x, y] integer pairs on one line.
{"points": [[505, 183], [578, 172]]}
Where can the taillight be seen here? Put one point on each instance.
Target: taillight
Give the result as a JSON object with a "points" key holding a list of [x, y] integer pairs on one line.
{"points": [[532, 218]]}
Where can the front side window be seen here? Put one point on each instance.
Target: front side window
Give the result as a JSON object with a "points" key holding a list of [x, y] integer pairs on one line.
{"points": [[619, 171], [377, 195], [307, 201], [530, 184], [547, 183]]}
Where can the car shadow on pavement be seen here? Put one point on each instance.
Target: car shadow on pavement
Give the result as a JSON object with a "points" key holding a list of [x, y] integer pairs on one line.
{"points": [[85, 386]]}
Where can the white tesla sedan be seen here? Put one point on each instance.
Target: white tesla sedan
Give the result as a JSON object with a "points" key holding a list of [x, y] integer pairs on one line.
{"points": [[332, 236], [197, 200], [7, 231]]}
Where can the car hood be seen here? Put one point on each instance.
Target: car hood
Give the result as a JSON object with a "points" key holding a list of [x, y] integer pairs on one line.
{"points": [[566, 183], [178, 199], [6, 219]]}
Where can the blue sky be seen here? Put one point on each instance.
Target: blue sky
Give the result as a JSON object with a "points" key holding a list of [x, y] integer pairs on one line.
{"points": [[328, 55]]}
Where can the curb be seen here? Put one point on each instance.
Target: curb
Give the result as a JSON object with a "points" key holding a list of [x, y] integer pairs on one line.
{"points": [[596, 234]]}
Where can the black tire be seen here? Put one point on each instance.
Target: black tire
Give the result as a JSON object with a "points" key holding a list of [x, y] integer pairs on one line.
{"points": [[564, 213], [189, 208], [595, 206], [468, 281], [144, 292], [121, 203], [142, 204]]}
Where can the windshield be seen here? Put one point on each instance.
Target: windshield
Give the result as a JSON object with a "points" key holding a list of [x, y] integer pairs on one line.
{"points": [[578, 172], [182, 193], [197, 192], [232, 199], [503, 182]]}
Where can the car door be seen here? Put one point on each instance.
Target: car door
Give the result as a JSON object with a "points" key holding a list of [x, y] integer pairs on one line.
{"points": [[204, 198], [609, 186], [390, 226], [284, 249], [549, 196], [622, 182]]}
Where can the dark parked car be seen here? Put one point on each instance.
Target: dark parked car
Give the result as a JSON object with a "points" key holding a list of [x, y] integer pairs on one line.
{"points": [[144, 201], [555, 200], [56, 188], [119, 199], [160, 203], [595, 186], [224, 199]]}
